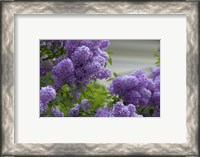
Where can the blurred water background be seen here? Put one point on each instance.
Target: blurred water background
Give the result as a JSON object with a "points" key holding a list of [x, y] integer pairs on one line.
{"points": [[131, 55]]}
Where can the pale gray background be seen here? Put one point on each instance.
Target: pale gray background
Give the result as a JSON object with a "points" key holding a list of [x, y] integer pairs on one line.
{"points": [[129, 55]]}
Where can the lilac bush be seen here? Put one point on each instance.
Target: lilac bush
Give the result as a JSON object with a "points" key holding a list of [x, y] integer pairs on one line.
{"points": [[138, 89], [82, 62], [69, 70]]}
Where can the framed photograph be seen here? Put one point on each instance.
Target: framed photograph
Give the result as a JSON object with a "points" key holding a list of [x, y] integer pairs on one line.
{"points": [[99, 78]]}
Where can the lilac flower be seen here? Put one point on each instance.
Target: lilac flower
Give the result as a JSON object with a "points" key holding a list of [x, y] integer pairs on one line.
{"points": [[136, 88], [81, 56], [118, 110], [74, 112], [88, 58], [124, 84], [93, 45], [131, 87], [151, 85], [92, 68], [117, 86], [124, 112], [139, 74], [155, 99], [103, 74], [46, 95], [132, 97], [143, 80], [104, 44], [130, 82], [45, 66], [63, 73], [57, 113], [71, 46], [85, 104], [155, 72], [101, 60], [104, 112], [132, 108], [78, 94], [156, 113], [43, 107], [104, 55], [78, 106], [145, 96], [157, 84]]}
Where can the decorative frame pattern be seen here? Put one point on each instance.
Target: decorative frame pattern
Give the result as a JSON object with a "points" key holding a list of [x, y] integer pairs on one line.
{"points": [[9, 9]]}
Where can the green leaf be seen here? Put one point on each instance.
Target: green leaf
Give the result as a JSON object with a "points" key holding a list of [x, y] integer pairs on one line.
{"points": [[64, 88], [110, 79], [109, 52], [110, 60], [62, 106], [83, 93], [105, 65], [88, 88], [151, 111], [156, 54], [157, 63], [115, 74]]}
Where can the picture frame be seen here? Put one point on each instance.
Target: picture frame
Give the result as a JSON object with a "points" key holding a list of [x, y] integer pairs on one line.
{"points": [[9, 9]]}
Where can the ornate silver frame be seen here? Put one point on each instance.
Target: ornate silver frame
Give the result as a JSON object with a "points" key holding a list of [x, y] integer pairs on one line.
{"points": [[10, 9]]}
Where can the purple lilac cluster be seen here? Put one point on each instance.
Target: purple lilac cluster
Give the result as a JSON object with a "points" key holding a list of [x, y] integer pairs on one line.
{"points": [[46, 95], [155, 98], [155, 76], [89, 58], [96, 46], [137, 88], [57, 113], [45, 66], [74, 112], [63, 73], [84, 61], [118, 110]]}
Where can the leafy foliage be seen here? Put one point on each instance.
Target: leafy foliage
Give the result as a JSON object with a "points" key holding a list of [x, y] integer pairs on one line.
{"points": [[52, 51]]}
